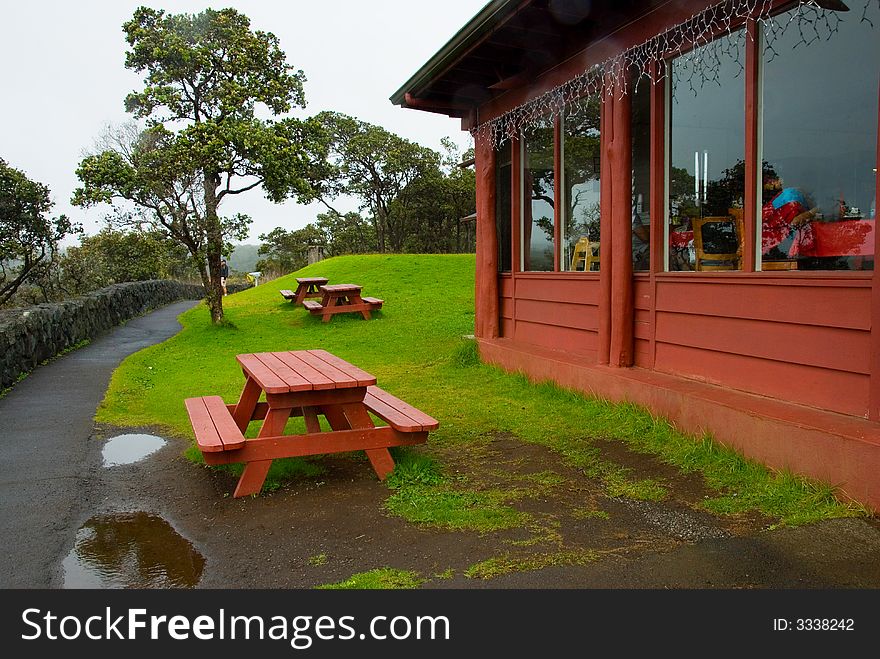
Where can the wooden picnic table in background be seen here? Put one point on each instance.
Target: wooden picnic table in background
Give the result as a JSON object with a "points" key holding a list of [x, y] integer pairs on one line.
{"points": [[306, 287], [305, 383], [342, 298]]}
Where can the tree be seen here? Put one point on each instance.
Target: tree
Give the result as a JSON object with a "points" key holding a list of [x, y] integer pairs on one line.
{"points": [[28, 237], [346, 234], [374, 165], [111, 257], [206, 76], [287, 251]]}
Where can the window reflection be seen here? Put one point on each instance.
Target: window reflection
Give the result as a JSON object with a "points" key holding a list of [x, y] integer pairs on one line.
{"points": [[820, 146], [538, 198], [707, 158], [502, 205], [641, 176], [581, 161]]}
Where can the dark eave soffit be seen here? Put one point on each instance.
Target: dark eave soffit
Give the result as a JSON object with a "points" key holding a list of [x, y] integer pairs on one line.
{"points": [[483, 23], [507, 44]]}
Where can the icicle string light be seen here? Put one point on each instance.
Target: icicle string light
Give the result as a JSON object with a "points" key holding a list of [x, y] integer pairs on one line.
{"points": [[702, 43]]}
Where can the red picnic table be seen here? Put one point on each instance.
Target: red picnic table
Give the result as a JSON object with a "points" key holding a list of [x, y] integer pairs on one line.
{"points": [[306, 287], [305, 383], [342, 298]]}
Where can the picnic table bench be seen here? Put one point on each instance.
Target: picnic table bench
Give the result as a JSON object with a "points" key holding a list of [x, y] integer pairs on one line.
{"points": [[305, 383], [342, 298], [306, 287]]}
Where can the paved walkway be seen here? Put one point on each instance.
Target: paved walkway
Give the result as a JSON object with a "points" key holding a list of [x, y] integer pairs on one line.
{"points": [[45, 424]]}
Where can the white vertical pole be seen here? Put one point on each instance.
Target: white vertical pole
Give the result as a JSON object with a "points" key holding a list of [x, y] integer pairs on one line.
{"points": [[705, 173], [697, 177]]}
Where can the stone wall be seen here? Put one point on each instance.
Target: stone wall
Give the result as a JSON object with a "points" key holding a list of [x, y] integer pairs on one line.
{"points": [[32, 335]]}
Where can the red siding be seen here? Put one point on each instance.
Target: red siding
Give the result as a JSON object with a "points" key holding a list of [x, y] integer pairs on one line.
{"points": [[505, 307], [800, 337], [563, 314], [559, 338], [643, 355], [552, 310], [825, 347], [836, 302], [803, 339], [642, 294], [642, 324], [558, 287], [819, 387]]}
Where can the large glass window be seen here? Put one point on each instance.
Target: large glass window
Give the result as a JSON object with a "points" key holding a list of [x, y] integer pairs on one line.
{"points": [[641, 173], [502, 205], [538, 209], [581, 151], [819, 137], [707, 159]]}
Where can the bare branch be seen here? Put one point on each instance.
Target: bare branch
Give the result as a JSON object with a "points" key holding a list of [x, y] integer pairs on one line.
{"points": [[239, 191]]}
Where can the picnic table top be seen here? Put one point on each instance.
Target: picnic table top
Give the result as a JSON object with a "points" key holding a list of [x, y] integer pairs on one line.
{"points": [[312, 280], [341, 288], [302, 370]]}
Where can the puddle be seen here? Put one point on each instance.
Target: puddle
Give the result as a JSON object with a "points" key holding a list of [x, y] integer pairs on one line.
{"points": [[126, 449], [131, 550]]}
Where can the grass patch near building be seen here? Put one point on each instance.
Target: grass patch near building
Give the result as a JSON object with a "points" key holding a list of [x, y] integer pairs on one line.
{"points": [[414, 347]]}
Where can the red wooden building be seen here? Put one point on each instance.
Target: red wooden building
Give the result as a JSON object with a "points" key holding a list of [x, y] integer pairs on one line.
{"points": [[676, 202]]}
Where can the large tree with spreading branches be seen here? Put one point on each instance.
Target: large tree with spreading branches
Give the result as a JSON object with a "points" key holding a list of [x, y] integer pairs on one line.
{"points": [[207, 78], [28, 236], [374, 165]]}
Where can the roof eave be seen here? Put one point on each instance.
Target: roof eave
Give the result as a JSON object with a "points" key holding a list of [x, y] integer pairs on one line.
{"points": [[489, 17]]}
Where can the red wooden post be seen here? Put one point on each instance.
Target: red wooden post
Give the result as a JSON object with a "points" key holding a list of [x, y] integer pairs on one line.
{"points": [[486, 280], [620, 167]]}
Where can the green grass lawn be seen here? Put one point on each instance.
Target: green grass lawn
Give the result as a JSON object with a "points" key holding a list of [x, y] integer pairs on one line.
{"points": [[414, 346]]}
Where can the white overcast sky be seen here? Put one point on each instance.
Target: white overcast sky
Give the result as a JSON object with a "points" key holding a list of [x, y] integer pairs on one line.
{"points": [[64, 79]]}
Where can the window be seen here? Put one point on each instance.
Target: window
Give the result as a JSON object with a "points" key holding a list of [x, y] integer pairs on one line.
{"points": [[538, 210], [502, 206], [581, 151], [706, 152], [641, 173], [819, 145]]}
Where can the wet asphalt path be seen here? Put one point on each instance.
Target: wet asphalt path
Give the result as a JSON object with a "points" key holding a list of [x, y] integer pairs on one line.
{"points": [[45, 455]]}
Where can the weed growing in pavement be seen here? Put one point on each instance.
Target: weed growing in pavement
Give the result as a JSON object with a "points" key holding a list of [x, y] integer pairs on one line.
{"points": [[385, 578]]}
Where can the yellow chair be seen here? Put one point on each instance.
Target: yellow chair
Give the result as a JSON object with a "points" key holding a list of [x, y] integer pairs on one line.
{"points": [[779, 265], [714, 260], [585, 255]]}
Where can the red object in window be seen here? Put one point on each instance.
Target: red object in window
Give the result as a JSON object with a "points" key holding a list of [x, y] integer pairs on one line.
{"points": [[844, 238], [681, 239], [777, 227]]}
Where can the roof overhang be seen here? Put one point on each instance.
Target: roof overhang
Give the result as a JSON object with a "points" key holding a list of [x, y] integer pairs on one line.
{"points": [[492, 15], [508, 44]]}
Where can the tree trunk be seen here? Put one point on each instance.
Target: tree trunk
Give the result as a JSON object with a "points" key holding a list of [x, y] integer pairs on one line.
{"points": [[381, 223], [204, 275], [380, 231], [214, 247]]}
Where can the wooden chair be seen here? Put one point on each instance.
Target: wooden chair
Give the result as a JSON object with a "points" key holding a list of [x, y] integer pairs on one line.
{"points": [[585, 254], [708, 251], [779, 265]]}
